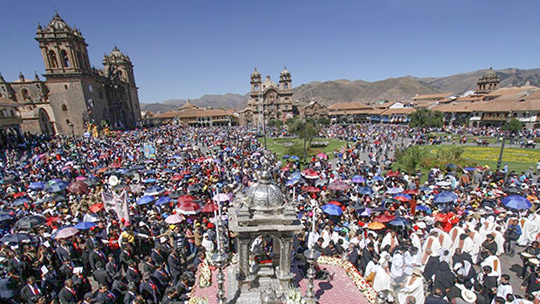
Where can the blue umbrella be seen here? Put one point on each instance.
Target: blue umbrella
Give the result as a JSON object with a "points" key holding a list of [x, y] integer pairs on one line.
{"points": [[470, 168], [291, 182], [56, 186], [84, 225], [122, 171], [145, 200], [286, 156], [5, 217], [406, 196], [332, 209], [154, 190], [294, 157], [399, 221], [149, 180], [425, 189], [36, 186], [445, 197], [453, 166], [296, 175], [378, 178], [137, 168], [423, 208], [516, 202], [357, 179], [163, 200], [394, 190], [365, 191], [21, 201]]}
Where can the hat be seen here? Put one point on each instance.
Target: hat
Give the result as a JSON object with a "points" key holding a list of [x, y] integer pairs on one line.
{"points": [[417, 271], [468, 296]]}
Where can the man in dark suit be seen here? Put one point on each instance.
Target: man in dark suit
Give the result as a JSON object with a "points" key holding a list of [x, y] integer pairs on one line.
{"points": [[105, 296], [148, 265], [157, 255], [126, 256], [92, 241], [101, 276], [367, 255], [67, 294], [97, 256], [182, 289], [175, 266], [30, 292], [168, 298], [64, 251], [133, 274], [436, 297], [112, 266], [149, 290], [81, 284], [131, 294], [66, 270], [161, 277]]}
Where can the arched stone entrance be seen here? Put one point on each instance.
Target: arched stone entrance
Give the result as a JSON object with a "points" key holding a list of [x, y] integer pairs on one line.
{"points": [[45, 124]]}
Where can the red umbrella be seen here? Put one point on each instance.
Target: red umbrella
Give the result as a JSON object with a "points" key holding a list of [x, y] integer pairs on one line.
{"points": [[116, 165], [177, 177], [101, 170], [384, 218], [335, 203], [338, 186], [210, 207], [185, 172], [186, 198], [286, 168], [377, 142], [51, 220], [78, 187], [392, 173], [189, 208], [20, 194], [310, 173], [96, 207], [401, 198], [410, 192], [312, 189]]}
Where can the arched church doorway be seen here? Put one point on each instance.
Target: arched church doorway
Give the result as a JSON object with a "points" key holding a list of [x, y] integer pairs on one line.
{"points": [[45, 124]]}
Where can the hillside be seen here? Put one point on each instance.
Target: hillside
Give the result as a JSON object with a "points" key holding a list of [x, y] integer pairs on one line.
{"points": [[343, 90]]}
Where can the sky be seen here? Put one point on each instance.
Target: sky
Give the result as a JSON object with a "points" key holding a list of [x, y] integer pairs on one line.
{"points": [[188, 48]]}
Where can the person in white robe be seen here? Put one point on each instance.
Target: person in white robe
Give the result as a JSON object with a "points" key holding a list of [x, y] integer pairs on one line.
{"points": [[477, 243], [455, 232], [382, 280], [390, 239], [415, 239], [494, 263], [414, 288], [499, 239], [527, 228], [412, 259], [431, 246], [396, 269]]}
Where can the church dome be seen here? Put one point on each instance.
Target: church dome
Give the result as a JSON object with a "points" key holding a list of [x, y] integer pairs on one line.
{"points": [[285, 72], [58, 24], [491, 73], [265, 196], [116, 53]]}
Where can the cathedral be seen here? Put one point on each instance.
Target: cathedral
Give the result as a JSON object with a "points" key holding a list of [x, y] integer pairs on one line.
{"points": [[268, 100], [74, 93]]}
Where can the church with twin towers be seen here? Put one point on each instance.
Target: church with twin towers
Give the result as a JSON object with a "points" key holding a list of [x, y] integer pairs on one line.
{"points": [[74, 93]]}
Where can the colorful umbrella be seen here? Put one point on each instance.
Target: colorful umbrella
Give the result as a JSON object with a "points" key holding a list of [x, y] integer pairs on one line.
{"points": [[189, 208], [376, 226], [30, 221], [173, 219], [410, 191], [96, 207], [322, 156], [163, 200], [365, 191], [78, 187], [17, 238], [384, 218], [84, 225], [186, 198], [516, 202], [399, 221], [154, 190], [445, 197], [145, 200], [338, 186], [357, 179], [310, 174], [210, 207], [402, 197], [332, 209], [394, 190], [312, 189], [221, 197], [66, 232], [36, 186]]}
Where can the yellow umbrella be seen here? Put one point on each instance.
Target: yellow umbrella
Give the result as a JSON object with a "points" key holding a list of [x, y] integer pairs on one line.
{"points": [[376, 226]]}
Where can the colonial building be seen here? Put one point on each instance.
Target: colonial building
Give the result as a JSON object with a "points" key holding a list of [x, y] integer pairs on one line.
{"points": [[268, 100], [190, 114], [74, 93], [314, 110]]}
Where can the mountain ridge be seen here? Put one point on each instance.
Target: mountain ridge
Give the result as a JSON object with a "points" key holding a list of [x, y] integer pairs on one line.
{"points": [[344, 90]]}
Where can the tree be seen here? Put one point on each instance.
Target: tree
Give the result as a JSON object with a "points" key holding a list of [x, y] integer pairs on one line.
{"points": [[425, 118], [513, 125], [409, 159], [275, 123], [324, 121], [304, 130]]}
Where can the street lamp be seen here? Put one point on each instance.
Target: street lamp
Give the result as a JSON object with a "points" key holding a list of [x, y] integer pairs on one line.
{"points": [[499, 162]]}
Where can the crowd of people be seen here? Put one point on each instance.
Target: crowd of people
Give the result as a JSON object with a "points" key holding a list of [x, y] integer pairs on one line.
{"points": [[127, 218]]}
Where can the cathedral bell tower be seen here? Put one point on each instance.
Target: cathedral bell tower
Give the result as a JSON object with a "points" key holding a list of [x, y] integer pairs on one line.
{"points": [[63, 49], [285, 80], [255, 82]]}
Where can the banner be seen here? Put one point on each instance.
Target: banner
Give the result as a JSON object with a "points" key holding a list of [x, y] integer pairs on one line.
{"points": [[108, 200], [149, 151], [116, 203]]}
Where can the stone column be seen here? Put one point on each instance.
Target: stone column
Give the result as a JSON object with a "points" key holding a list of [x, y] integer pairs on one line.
{"points": [[285, 255], [276, 243], [243, 255]]}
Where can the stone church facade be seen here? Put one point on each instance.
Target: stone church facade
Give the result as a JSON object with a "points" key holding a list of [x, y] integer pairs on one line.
{"points": [[74, 93], [268, 100]]}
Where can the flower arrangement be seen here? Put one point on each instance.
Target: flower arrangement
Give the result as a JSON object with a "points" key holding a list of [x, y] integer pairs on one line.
{"points": [[353, 273], [205, 275], [197, 300], [294, 297]]}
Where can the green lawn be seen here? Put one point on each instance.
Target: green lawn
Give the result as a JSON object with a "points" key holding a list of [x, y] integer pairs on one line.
{"points": [[279, 145]]}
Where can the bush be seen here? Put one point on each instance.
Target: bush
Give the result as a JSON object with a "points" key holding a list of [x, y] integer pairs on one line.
{"points": [[298, 150]]}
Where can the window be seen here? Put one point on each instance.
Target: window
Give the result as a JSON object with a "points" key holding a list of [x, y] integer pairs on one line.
{"points": [[66, 86], [64, 108], [65, 59], [52, 59], [25, 94]]}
